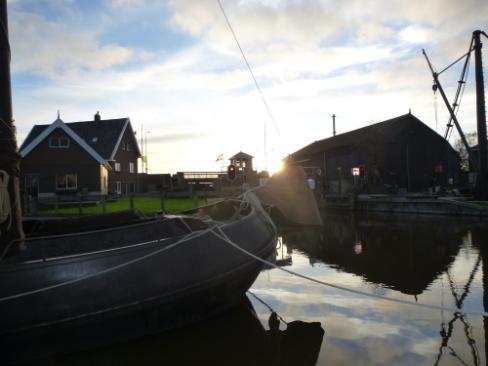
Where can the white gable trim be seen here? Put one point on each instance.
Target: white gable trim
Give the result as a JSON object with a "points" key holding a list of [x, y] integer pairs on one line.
{"points": [[116, 148], [60, 124]]}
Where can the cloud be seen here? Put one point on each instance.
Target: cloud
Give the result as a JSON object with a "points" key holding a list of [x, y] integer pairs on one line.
{"points": [[126, 3], [175, 137], [52, 48]]}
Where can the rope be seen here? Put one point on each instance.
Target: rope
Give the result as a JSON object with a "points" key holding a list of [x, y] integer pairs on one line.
{"points": [[5, 209], [191, 235], [249, 67], [220, 234], [269, 307], [111, 269]]}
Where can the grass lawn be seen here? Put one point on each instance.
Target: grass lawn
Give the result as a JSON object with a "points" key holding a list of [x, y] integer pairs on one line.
{"points": [[145, 204]]}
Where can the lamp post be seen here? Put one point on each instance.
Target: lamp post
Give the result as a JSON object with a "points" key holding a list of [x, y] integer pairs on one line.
{"points": [[145, 148]]}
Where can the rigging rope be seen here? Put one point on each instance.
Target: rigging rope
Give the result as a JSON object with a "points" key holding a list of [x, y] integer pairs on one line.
{"points": [[248, 67]]}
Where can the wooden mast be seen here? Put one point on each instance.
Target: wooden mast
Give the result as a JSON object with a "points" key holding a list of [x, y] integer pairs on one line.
{"points": [[482, 180], [11, 228]]}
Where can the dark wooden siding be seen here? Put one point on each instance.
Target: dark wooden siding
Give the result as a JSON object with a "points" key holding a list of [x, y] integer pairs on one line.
{"points": [[129, 181], [47, 162], [402, 155]]}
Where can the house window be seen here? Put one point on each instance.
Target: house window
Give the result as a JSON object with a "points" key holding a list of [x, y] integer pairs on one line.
{"points": [[127, 146], [119, 187], [117, 167], [59, 142], [66, 181], [123, 145], [131, 168]]}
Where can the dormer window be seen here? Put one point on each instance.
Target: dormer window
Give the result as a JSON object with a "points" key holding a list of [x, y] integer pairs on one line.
{"points": [[127, 146], [59, 142], [123, 145], [94, 139]]}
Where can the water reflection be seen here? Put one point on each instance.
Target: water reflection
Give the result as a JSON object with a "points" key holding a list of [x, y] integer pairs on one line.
{"points": [[237, 337], [398, 253], [437, 261]]}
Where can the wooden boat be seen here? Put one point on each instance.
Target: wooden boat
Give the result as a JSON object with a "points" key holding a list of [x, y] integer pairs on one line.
{"points": [[179, 268]]}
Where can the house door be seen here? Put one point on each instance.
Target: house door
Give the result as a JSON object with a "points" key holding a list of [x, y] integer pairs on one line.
{"points": [[32, 185]]}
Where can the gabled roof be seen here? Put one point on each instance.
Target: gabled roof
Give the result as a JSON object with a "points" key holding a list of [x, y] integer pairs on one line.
{"points": [[100, 139], [383, 131], [241, 155]]}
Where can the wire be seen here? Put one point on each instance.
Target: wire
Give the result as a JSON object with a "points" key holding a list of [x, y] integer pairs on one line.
{"points": [[249, 68]]}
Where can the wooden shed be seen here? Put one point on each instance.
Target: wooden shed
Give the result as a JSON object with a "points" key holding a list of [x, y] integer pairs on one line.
{"points": [[398, 155]]}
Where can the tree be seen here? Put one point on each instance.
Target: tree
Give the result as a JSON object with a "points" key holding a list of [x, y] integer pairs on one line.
{"points": [[472, 138]]}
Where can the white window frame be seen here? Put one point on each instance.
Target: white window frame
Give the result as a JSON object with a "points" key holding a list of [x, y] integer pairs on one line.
{"points": [[118, 187], [117, 166], [132, 168], [66, 188], [59, 145]]}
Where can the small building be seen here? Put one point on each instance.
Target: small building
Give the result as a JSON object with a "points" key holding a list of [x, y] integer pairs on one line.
{"points": [[398, 155], [91, 158], [242, 162]]}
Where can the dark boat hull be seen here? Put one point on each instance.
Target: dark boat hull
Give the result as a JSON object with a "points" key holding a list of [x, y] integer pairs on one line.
{"points": [[112, 295]]}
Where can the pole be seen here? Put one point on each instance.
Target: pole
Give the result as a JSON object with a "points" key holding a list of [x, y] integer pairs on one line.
{"points": [[482, 180], [142, 148], [146, 151], [333, 125], [11, 228]]}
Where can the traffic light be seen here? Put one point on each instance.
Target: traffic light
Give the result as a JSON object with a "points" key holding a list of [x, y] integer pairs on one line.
{"points": [[231, 172]]}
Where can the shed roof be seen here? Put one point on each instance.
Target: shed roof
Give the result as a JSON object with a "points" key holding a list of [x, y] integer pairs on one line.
{"points": [[241, 155], [385, 131]]}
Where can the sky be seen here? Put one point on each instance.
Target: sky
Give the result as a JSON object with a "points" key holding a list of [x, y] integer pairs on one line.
{"points": [[173, 67]]}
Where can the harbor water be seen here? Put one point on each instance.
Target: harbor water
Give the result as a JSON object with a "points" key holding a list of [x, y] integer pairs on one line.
{"points": [[389, 290]]}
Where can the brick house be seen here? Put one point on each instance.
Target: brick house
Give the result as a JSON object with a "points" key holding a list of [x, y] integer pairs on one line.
{"points": [[94, 158]]}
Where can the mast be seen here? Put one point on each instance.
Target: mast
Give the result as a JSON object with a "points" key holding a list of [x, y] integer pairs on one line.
{"points": [[482, 181], [11, 227]]}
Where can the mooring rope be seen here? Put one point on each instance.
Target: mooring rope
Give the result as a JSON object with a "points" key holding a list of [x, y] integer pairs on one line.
{"points": [[220, 234]]}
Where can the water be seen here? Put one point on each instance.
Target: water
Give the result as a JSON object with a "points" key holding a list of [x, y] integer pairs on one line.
{"points": [[420, 260]]}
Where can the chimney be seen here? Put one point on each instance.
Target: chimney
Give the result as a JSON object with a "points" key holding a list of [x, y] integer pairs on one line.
{"points": [[97, 117]]}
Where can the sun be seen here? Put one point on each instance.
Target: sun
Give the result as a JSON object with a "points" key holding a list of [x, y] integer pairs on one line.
{"points": [[275, 166]]}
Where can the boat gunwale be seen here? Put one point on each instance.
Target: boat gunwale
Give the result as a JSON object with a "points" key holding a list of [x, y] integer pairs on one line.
{"points": [[263, 249]]}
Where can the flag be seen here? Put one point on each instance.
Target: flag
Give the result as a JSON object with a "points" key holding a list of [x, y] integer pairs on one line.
{"points": [[219, 158]]}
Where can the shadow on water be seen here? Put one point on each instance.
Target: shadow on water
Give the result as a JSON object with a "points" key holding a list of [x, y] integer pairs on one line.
{"points": [[237, 337]]}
